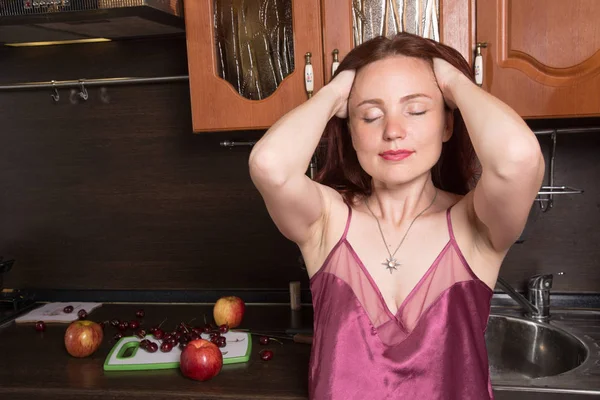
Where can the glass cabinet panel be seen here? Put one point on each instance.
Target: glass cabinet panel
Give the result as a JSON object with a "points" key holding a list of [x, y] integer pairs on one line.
{"points": [[254, 44], [372, 18]]}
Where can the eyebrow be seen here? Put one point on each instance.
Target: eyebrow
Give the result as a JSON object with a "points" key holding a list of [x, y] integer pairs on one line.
{"points": [[403, 99]]}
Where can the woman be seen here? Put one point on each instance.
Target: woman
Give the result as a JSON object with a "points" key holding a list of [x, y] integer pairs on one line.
{"points": [[402, 250]]}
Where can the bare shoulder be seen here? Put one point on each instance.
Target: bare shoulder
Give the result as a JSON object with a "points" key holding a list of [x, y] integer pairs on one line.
{"points": [[327, 232], [483, 260]]}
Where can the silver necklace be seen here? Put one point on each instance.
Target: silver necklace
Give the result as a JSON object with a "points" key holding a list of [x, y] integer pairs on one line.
{"points": [[391, 263]]}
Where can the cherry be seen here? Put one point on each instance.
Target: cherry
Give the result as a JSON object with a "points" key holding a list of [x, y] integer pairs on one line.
{"points": [[173, 341], [221, 341], [264, 340], [167, 337], [68, 309], [153, 329], [195, 336], [215, 340], [123, 325], [115, 322], [166, 347], [151, 347], [144, 343], [140, 313], [141, 333], [266, 355], [183, 345], [214, 335], [134, 325], [158, 333], [40, 326], [82, 314], [224, 328], [197, 331], [207, 328], [117, 336]]}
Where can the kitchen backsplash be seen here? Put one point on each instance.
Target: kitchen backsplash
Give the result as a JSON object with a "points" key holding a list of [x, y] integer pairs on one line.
{"points": [[120, 194]]}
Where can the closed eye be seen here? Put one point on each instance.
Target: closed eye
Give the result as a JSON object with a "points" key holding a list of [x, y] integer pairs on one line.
{"points": [[369, 120], [418, 113]]}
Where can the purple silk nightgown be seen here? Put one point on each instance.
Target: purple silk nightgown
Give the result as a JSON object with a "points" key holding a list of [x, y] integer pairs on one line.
{"points": [[433, 348]]}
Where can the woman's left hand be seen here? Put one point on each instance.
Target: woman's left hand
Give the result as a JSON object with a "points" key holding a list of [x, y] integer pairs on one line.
{"points": [[446, 74]]}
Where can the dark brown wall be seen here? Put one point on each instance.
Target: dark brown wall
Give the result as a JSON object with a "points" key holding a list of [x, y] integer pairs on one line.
{"points": [[123, 195], [567, 237]]}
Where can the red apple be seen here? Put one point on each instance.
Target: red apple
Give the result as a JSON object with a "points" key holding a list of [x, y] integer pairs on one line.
{"points": [[229, 310], [83, 337], [201, 360]]}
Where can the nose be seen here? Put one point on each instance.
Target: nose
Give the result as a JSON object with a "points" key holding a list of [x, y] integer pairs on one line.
{"points": [[394, 129]]}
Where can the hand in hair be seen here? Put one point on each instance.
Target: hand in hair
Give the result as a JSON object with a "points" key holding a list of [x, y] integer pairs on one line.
{"points": [[446, 74], [341, 86]]}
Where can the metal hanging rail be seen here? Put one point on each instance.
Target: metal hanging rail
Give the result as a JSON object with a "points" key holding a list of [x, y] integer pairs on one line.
{"points": [[546, 203], [92, 82], [567, 130]]}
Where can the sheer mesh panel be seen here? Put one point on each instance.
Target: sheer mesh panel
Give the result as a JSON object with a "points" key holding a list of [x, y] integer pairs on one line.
{"points": [[447, 270], [344, 265]]}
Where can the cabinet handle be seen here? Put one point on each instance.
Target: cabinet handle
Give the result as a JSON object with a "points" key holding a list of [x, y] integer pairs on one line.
{"points": [[479, 63], [309, 82], [336, 62]]}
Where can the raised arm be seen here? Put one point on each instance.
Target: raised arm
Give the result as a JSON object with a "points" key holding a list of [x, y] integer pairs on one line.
{"points": [[279, 161], [510, 156]]}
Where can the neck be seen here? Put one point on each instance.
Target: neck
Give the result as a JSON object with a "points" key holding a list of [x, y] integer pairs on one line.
{"points": [[401, 202]]}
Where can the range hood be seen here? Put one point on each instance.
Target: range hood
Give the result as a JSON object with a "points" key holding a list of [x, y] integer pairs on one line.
{"points": [[25, 21]]}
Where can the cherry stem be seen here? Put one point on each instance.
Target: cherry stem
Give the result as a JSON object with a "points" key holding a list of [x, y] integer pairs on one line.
{"points": [[164, 320], [276, 340]]}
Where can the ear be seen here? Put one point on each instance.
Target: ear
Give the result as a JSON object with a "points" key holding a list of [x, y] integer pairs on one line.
{"points": [[449, 126]]}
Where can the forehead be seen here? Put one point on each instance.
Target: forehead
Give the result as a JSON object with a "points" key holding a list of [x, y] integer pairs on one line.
{"points": [[400, 74]]}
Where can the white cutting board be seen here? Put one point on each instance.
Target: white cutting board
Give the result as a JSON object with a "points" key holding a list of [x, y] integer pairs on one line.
{"points": [[54, 312], [238, 348]]}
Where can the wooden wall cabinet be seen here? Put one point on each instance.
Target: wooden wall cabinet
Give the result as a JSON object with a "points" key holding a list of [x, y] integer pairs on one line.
{"points": [[455, 27], [319, 27], [542, 56], [216, 104]]}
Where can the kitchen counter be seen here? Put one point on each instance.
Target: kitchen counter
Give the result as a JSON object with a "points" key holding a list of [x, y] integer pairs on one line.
{"points": [[36, 365]]}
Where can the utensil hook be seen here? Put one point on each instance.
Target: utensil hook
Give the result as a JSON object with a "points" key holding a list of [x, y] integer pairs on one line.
{"points": [[55, 96], [83, 93]]}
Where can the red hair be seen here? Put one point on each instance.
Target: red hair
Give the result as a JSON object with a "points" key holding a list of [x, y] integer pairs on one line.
{"points": [[340, 169]]}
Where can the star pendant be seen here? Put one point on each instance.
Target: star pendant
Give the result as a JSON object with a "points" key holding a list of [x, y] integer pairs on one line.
{"points": [[391, 264]]}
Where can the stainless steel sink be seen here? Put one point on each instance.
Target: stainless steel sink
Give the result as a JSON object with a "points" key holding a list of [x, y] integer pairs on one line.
{"points": [[524, 349]]}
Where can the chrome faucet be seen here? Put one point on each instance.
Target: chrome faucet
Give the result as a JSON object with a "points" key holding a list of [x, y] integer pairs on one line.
{"points": [[538, 292]]}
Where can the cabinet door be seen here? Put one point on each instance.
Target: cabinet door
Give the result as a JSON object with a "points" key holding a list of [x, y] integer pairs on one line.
{"points": [[247, 60], [347, 23], [543, 56]]}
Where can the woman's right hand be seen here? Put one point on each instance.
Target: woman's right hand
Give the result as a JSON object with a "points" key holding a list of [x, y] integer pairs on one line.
{"points": [[340, 87]]}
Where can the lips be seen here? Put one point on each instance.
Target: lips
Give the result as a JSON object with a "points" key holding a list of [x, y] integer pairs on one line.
{"points": [[396, 155]]}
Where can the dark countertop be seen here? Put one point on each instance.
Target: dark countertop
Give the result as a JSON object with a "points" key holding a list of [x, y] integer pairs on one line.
{"points": [[36, 365]]}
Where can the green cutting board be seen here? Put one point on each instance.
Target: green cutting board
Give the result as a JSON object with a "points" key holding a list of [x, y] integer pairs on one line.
{"points": [[126, 354]]}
